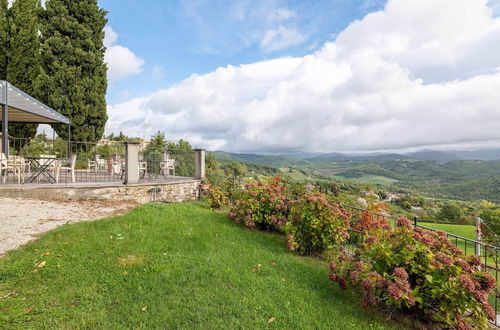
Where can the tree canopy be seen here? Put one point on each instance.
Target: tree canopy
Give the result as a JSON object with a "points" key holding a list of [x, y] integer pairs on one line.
{"points": [[73, 78]]}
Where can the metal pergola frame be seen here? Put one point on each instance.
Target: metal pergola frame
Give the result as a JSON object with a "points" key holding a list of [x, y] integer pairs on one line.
{"points": [[19, 107]]}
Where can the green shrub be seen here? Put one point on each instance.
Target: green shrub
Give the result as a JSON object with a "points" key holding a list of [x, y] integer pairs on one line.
{"points": [[316, 225], [418, 272], [217, 198], [262, 205]]}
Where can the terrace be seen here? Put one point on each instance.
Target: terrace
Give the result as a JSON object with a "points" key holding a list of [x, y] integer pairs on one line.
{"points": [[71, 169]]}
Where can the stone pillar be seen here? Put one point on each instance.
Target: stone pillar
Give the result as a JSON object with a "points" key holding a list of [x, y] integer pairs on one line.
{"points": [[131, 162], [199, 160]]}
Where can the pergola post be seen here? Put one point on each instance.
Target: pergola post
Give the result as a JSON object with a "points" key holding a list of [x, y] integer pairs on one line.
{"points": [[5, 122]]}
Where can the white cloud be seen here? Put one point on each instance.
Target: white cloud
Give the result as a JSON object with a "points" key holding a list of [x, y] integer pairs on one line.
{"points": [[281, 14], [281, 38], [419, 73], [122, 62], [244, 24]]}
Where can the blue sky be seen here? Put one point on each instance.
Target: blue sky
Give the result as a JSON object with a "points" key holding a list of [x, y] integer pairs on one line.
{"points": [[178, 38], [324, 76]]}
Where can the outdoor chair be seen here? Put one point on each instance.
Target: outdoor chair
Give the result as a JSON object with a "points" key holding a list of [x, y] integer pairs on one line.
{"points": [[167, 166], [143, 169], [63, 165], [4, 167], [16, 165], [119, 168]]}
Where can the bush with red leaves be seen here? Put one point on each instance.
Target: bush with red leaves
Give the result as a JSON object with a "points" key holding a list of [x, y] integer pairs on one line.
{"points": [[419, 272], [263, 205]]}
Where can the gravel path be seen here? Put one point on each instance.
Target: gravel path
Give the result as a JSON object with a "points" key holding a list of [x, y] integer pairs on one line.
{"points": [[22, 220]]}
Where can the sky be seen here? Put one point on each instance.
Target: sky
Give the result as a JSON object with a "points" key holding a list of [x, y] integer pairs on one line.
{"points": [[274, 76]]}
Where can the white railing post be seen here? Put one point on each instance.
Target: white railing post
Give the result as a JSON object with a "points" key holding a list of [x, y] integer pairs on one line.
{"points": [[478, 235]]}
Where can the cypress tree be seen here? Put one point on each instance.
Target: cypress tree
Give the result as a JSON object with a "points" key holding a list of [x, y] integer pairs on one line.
{"points": [[4, 39], [23, 67], [73, 79]]}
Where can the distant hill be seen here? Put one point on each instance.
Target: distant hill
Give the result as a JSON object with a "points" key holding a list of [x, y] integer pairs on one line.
{"points": [[464, 175], [450, 155]]}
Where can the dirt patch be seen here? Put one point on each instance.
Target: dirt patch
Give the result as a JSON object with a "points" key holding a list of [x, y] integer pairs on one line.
{"points": [[130, 261], [21, 220]]}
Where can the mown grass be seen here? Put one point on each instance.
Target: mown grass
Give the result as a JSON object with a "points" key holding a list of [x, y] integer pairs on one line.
{"points": [[176, 266], [466, 231]]}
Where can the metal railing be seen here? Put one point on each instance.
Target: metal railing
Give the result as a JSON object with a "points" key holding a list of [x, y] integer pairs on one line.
{"points": [[53, 160], [160, 164], [487, 253]]}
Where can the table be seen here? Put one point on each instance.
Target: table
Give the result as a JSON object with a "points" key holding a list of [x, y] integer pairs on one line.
{"points": [[41, 166]]}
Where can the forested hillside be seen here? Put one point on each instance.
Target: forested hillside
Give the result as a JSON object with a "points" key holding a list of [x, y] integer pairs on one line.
{"points": [[469, 180]]}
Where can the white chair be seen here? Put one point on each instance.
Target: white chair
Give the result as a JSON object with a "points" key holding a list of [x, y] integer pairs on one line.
{"points": [[4, 167], [167, 166], [91, 164], [143, 169]]}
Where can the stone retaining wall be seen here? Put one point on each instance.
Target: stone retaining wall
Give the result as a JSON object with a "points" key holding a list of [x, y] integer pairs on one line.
{"points": [[181, 191]]}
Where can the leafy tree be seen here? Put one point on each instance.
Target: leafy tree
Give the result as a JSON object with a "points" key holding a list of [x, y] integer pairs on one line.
{"points": [[23, 66], [156, 146], [451, 212], [234, 173], [491, 227], [183, 152], [215, 175], [73, 79]]}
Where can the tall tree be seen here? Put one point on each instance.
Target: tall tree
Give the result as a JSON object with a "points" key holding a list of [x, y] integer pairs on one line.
{"points": [[73, 79], [4, 39], [23, 67]]}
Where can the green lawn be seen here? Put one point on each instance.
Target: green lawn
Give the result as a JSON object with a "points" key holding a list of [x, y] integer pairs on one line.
{"points": [[177, 266], [466, 231]]}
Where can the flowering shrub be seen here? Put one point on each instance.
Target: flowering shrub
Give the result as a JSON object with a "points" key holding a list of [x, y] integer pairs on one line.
{"points": [[374, 219], [217, 198], [315, 225], [262, 205], [419, 272]]}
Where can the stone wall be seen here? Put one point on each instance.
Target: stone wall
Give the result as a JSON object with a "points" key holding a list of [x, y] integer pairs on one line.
{"points": [[182, 191]]}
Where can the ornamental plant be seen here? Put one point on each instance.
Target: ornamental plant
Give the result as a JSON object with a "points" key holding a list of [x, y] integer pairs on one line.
{"points": [[418, 272], [217, 198], [262, 205], [315, 225]]}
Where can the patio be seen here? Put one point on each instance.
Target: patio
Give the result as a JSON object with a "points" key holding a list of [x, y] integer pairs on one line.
{"points": [[44, 161]]}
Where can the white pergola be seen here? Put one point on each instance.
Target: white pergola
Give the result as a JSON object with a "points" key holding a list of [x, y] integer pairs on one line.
{"points": [[19, 107]]}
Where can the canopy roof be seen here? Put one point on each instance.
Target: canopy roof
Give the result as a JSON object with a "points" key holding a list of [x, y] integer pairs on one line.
{"points": [[23, 108]]}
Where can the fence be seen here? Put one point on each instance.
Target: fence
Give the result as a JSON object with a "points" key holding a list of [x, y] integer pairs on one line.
{"points": [[157, 164], [45, 160], [486, 252]]}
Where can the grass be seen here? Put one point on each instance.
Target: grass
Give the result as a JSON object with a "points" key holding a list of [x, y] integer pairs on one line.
{"points": [[466, 231], [177, 266]]}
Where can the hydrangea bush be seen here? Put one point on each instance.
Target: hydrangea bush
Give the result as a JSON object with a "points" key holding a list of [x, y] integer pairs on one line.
{"points": [[217, 198], [419, 272], [315, 224], [263, 205]]}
